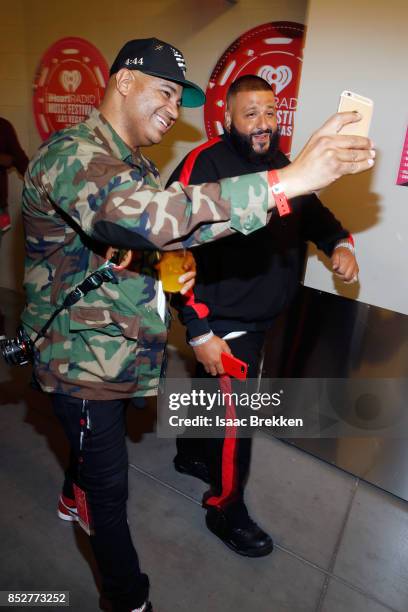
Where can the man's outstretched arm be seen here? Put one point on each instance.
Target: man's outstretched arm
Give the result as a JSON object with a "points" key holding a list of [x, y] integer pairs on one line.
{"points": [[114, 206]]}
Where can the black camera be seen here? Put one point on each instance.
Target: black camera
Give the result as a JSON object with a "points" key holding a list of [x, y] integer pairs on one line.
{"points": [[18, 350]]}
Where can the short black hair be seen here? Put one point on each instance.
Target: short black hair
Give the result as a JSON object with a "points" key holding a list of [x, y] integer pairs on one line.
{"points": [[248, 82]]}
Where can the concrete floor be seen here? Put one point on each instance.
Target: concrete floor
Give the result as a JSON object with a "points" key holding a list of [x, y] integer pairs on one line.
{"points": [[341, 545]]}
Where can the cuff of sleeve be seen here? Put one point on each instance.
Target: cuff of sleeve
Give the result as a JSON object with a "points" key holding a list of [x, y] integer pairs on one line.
{"points": [[346, 240], [345, 244], [250, 198], [197, 327]]}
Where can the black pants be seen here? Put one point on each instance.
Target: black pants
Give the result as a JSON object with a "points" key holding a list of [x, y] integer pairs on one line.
{"points": [[104, 477], [227, 489]]}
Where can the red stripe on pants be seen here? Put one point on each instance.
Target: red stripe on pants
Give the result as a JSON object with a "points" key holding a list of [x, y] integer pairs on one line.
{"points": [[229, 450]]}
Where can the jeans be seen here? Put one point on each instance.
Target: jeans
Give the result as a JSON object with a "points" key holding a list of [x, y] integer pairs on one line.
{"points": [[104, 478]]}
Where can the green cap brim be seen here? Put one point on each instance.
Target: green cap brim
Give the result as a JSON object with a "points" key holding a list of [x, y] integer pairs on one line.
{"points": [[192, 95]]}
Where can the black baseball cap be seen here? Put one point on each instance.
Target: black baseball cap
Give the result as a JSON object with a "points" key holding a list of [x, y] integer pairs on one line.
{"points": [[157, 58]]}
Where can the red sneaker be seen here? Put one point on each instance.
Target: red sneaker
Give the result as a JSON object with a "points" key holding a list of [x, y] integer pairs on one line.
{"points": [[67, 510], [5, 222]]}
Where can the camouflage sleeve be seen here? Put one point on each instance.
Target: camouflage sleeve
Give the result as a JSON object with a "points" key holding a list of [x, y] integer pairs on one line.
{"points": [[112, 203]]}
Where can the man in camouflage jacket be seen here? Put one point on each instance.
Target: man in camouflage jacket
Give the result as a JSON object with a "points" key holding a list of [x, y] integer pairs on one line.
{"points": [[86, 189], [89, 187]]}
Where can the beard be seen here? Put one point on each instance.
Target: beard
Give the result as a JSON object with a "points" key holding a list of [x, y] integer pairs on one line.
{"points": [[243, 144]]}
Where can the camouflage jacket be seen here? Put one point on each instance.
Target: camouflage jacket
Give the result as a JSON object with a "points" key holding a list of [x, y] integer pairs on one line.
{"points": [[84, 190]]}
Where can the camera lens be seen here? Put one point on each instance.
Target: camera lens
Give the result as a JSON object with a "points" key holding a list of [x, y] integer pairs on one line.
{"points": [[18, 350]]}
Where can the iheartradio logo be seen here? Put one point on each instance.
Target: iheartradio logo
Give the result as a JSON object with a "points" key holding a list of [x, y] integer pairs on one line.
{"points": [[278, 77], [70, 80]]}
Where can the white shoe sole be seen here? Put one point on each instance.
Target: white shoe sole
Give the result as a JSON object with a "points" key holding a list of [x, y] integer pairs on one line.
{"points": [[71, 518], [72, 515]]}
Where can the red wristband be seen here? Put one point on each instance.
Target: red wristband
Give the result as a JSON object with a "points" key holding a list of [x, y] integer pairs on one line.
{"points": [[281, 201]]}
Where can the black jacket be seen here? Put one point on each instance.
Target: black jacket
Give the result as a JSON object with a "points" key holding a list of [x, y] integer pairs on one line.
{"points": [[247, 280]]}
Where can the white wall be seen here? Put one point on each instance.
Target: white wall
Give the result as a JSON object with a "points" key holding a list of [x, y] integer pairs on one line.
{"points": [[362, 46]]}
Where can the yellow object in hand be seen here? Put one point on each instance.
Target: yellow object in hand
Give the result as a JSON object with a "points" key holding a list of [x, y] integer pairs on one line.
{"points": [[171, 266]]}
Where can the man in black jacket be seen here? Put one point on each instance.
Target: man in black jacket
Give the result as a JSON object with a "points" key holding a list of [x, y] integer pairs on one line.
{"points": [[241, 286]]}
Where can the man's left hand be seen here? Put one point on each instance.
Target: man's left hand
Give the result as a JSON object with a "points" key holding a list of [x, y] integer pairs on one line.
{"points": [[344, 265]]}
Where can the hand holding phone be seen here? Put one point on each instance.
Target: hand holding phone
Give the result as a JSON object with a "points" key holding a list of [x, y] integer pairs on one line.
{"points": [[350, 101], [234, 366]]}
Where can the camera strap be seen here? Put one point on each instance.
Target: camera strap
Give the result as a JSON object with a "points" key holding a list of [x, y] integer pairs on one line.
{"points": [[102, 275]]}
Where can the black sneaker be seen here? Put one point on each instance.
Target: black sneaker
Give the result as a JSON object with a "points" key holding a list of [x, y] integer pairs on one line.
{"points": [[246, 539], [198, 469]]}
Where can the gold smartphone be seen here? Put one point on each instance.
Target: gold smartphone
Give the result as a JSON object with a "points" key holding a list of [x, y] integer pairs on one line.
{"points": [[350, 101]]}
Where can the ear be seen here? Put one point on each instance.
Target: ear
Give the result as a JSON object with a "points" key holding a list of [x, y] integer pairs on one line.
{"points": [[227, 120], [124, 80]]}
